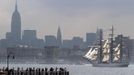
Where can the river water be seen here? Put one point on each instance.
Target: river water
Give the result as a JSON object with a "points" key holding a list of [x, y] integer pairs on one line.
{"points": [[82, 69]]}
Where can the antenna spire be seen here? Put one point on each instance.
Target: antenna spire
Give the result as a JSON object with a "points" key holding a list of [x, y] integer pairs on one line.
{"points": [[112, 31], [16, 6]]}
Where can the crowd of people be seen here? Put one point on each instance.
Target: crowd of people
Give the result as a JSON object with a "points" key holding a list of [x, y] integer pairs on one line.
{"points": [[34, 71]]}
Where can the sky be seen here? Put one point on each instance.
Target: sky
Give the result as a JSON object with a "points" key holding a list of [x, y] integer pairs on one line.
{"points": [[75, 17]]}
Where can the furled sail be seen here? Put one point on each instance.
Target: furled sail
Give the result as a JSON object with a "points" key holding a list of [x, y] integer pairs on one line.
{"points": [[88, 53], [106, 47], [106, 51], [105, 58], [117, 53], [92, 54]]}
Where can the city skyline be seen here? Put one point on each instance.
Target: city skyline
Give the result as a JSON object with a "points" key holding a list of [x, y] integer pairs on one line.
{"points": [[75, 22]]}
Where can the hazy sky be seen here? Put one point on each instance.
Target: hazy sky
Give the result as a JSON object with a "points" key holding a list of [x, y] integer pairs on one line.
{"points": [[75, 17]]}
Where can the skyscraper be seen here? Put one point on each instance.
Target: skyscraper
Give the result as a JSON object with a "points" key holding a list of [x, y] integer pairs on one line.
{"points": [[99, 35], [59, 37], [29, 35], [77, 42], [50, 40], [91, 38], [16, 26]]}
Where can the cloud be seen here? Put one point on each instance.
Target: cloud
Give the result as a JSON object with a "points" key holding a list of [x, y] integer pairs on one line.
{"points": [[87, 3], [76, 17]]}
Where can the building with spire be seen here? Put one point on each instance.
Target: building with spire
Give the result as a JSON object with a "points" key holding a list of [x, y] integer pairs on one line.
{"points": [[59, 37], [13, 38], [16, 26]]}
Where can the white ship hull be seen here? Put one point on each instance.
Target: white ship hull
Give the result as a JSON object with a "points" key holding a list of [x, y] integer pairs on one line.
{"points": [[123, 64], [96, 64], [110, 65]]}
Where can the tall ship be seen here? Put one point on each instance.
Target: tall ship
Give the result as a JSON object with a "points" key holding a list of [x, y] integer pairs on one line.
{"points": [[108, 53]]}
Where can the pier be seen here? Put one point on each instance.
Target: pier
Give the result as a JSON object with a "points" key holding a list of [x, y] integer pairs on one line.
{"points": [[34, 71]]}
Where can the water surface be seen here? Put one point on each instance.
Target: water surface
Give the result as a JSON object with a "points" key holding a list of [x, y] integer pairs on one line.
{"points": [[83, 69]]}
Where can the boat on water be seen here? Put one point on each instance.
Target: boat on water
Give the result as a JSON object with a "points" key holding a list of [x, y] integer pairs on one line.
{"points": [[108, 53]]}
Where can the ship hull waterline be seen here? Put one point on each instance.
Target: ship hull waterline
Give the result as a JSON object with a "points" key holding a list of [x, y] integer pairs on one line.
{"points": [[110, 65], [95, 64]]}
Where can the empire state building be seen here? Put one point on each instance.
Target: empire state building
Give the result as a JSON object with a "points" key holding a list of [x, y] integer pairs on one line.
{"points": [[16, 26]]}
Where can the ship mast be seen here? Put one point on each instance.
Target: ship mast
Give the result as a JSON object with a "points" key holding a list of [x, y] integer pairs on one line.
{"points": [[111, 47], [100, 41], [121, 48]]}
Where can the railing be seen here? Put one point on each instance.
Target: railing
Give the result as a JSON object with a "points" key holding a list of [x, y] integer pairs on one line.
{"points": [[33, 71]]}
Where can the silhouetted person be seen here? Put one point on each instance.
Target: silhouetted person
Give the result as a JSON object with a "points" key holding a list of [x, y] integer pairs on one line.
{"points": [[56, 71], [51, 69], [61, 69], [46, 71], [11, 71]]}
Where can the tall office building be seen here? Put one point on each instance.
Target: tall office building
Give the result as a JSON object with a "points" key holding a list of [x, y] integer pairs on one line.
{"points": [[77, 42], [29, 35], [99, 35], [67, 44], [16, 26], [50, 40], [59, 37], [29, 39], [91, 38]]}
